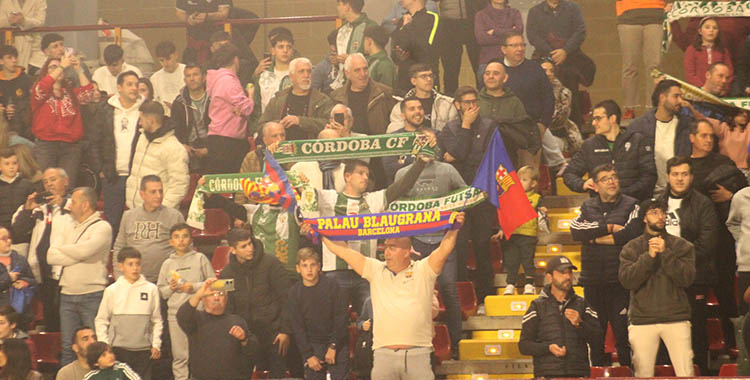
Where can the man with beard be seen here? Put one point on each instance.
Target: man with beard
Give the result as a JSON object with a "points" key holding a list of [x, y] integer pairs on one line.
{"points": [[413, 117], [657, 268], [558, 326]]}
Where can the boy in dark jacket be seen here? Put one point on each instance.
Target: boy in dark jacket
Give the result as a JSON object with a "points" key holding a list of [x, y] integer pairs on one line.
{"points": [[13, 188], [559, 325], [14, 91], [15, 272]]}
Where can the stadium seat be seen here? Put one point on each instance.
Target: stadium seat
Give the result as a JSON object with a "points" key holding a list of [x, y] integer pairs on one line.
{"points": [[668, 371], [620, 371], [715, 334], [491, 345], [711, 300], [728, 369], [508, 305], [217, 226], [32, 352], [442, 342], [49, 348], [467, 297], [220, 259], [192, 185]]}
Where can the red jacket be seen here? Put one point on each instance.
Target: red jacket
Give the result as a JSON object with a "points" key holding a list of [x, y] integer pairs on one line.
{"points": [[57, 119], [696, 62]]}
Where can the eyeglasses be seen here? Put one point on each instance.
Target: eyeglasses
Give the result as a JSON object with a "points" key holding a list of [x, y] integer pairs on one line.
{"points": [[469, 102], [425, 76], [608, 179], [598, 118]]}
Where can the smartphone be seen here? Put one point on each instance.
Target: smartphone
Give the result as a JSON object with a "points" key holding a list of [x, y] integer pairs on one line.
{"points": [[41, 198], [339, 118], [266, 56]]}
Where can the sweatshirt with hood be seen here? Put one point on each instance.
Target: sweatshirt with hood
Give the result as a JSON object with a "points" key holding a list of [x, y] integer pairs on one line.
{"points": [[129, 315], [738, 223], [14, 89], [227, 96], [193, 268]]}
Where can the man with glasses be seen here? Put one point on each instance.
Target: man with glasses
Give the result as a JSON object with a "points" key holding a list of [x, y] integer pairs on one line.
{"points": [[438, 108], [625, 149], [606, 223]]}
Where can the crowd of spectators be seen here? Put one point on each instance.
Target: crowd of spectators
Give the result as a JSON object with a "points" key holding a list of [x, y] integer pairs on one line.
{"points": [[95, 166]]}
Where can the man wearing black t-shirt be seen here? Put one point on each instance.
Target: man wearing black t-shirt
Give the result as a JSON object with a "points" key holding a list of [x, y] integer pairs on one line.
{"points": [[200, 16]]}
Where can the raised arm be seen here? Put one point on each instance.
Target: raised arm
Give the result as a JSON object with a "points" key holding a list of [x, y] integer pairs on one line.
{"points": [[352, 257], [438, 257]]}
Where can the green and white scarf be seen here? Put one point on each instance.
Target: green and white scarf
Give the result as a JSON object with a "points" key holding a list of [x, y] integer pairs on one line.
{"points": [[684, 9], [457, 200]]}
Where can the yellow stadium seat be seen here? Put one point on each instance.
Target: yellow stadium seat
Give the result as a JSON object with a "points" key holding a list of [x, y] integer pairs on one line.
{"points": [[491, 345], [562, 189], [560, 222], [507, 305], [491, 376]]}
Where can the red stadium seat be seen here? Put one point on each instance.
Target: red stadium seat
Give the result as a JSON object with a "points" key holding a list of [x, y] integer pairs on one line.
{"points": [[668, 371], [353, 334], [49, 348], [728, 370], [467, 297], [715, 334], [620, 371], [217, 226], [220, 259], [260, 375], [442, 342], [32, 352], [711, 300]]}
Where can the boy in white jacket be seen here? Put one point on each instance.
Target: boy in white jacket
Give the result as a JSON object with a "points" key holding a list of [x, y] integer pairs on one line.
{"points": [[181, 275], [129, 317]]}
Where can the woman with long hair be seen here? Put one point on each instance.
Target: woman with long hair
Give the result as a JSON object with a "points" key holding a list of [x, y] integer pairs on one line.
{"points": [[56, 115], [145, 89], [27, 165], [15, 361]]}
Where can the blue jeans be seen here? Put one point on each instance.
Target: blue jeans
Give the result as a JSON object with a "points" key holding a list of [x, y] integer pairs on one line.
{"points": [[114, 202], [338, 371], [58, 154], [76, 311], [447, 284], [356, 289]]}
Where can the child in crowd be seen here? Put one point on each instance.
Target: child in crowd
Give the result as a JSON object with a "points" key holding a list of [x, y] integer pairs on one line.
{"points": [[129, 316], [15, 361], [319, 319], [171, 78], [519, 249], [705, 50], [14, 189], [102, 361], [181, 275], [15, 273]]}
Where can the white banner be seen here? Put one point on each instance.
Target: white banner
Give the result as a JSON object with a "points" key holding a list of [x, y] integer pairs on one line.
{"points": [[684, 9]]}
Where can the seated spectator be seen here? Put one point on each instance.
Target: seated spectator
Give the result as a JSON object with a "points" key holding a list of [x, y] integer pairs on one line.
{"points": [[170, 79], [438, 109], [567, 355], [319, 319], [323, 174], [15, 273], [28, 168], [9, 324], [15, 361], [491, 25], [705, 50], [114, 64], [273, 72], [190, 116], [157, 152], [76, 370], [327, 70], [658, 267], [25, 15], [344, 129], [380, 65], [301, 109], [219, 342], [145, 89], [200, 17], [271, 134], [104, 366], [58, 135], [14, 91], [14, 189]]}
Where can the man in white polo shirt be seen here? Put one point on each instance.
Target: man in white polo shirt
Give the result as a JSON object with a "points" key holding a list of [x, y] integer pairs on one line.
{"points": [[401, 291]]}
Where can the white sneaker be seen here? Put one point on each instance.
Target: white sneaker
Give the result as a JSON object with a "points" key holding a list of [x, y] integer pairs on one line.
{"points": [[529, 289], [509, 290]]}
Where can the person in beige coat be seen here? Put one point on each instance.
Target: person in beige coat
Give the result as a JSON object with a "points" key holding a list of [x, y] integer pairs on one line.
{"points": [[32, 14]]}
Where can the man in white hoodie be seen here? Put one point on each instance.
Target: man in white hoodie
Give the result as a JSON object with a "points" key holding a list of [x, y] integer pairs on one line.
{"points": [[82, 249]]}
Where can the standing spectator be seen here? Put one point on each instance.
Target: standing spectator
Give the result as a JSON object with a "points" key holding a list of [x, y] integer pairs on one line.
{"points": [[129, 317], [319, 319], [457, 30], [351, 35], [103, 365], [36, 221], [705, 50], [248, 62], [561, 126], [491, 24], [733, 30], [14, 189], [190, 116], [25, 15], [657, 267], [146, 227], [76, 370], [326, 71], [157, 152], [220, 343], [413, 41], [380, 65], [14, 91], [118, 135], [402, 292], [412, 117], [145, 89], [201, 17], [114, 64], [626, 150], [606, 223], [171, 78], [398, 11], [82, 248], [15, 272], [273, 71], [438, 108], [734, 138], [15, 361], [300, 109], [639, 25], [53, 46], [180, 276], [559, 325], [665, 133], [230, 106], [58, 135]]}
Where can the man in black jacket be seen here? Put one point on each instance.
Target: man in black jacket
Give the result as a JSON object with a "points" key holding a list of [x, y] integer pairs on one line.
{"points": [[657, 267], [606, 223], [627, 150], [691, 215], [414, 41], [558, 326], [190, 115]]}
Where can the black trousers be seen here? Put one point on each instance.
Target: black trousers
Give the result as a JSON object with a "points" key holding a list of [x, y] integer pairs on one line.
{"points": [[610, 302], [49, 292], [225, 154], [455, 34], [139, 361], [699, 314], [726, 266], [478, 229]]}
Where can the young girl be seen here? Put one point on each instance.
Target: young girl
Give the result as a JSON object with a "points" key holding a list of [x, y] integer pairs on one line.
{"points": [[15, 361], [102, 361], [706, 49]]}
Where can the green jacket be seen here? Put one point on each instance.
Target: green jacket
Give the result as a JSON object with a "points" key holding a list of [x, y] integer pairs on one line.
{"points": [[379, 105], [353, 34], [507, 106], [382, 69], [318, 111]]}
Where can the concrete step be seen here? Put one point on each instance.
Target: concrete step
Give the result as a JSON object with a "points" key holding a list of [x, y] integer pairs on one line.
{"points": [[564, 201], [563, 237], [503, 366], [484, 322]]}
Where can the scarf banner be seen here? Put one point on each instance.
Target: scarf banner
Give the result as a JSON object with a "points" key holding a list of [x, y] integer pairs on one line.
{"points": [[743, 103], [692, 93], [394, 144], [685, 9], [382, 226], [457, 200]]}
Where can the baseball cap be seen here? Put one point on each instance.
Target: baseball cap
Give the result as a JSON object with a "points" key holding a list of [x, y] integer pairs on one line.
{"points": [[560, 263]]}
